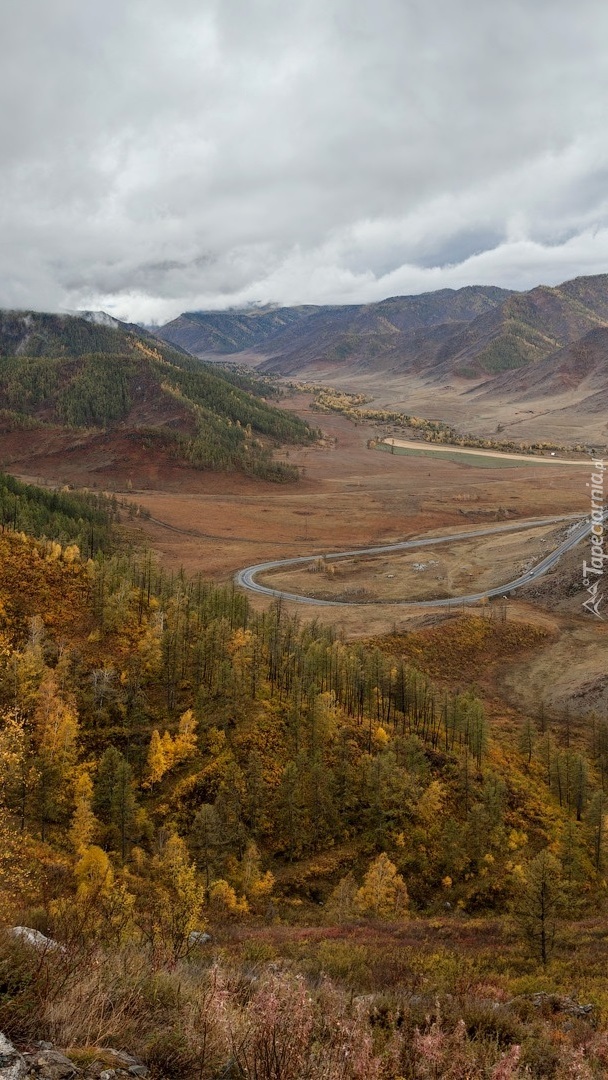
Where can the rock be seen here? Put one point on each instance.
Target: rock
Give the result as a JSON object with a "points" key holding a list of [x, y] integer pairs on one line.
{"points": [[561, 1004], [198, 937], [12, 1064], [121, 1057], [35, 938], [98, 1070], [45, 1063], [50, 1065], [125, 1063]]}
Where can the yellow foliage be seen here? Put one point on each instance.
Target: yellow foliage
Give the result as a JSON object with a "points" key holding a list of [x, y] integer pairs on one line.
{"points": [[517, 839], [223, 900], [341, 904], [56, 724], [157, 761], [71, 553], [430, 804], [12, 739], [14, 864], [84, 822], [102, 907], [185, 742], [165, 752], [240, 640], [53, 551], [216, 741], [168, 750], [383, 894], [28, 670], [149, 649], [173, 899], [249, 877], [380, 737], [93, 873]]}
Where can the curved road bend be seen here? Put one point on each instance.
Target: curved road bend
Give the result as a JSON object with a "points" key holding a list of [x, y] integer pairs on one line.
{"points": [[247, 577]]}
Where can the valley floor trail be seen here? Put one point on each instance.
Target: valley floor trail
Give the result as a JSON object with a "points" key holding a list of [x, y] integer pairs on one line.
{"points": [[247, 577], [447, 448], [224, 539]]}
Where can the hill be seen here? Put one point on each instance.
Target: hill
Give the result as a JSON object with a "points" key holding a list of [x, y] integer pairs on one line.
{"points": [[527, 327], [62, 374], [579, 371]]}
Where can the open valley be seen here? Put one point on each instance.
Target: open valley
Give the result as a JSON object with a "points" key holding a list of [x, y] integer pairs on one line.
{"points": [[351, 496], [303, 541]]}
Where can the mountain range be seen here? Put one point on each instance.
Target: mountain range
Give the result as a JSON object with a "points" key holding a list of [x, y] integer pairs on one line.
{"points": [[479, 334]]}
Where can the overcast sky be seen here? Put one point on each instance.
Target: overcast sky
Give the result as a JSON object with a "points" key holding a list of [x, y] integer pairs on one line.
{"points": [[164, 155]]}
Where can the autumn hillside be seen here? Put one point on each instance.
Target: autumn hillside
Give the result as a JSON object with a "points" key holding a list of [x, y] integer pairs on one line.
{"points": [[60, 375], [173, 762]]}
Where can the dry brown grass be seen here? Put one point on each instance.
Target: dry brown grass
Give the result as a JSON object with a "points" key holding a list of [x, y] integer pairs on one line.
{"points": [[424, 998]]}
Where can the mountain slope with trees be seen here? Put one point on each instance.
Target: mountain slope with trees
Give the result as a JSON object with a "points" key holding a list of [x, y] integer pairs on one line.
{"points": [[578, 372], [63, 372], [172, 761]]}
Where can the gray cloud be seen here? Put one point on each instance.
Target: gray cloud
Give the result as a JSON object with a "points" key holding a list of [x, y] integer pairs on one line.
{"points": [[158, 156]]}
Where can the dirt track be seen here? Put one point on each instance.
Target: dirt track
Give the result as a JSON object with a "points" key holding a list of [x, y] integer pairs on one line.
{"points": [[470, 451]]}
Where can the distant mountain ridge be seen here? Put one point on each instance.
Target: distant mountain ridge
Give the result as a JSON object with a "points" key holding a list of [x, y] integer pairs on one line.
{"points": [[477, 332], [223, 332], [527, 327], [314, 328]]}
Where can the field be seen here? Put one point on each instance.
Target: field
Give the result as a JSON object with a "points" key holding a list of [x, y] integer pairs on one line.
{"points": [[468, 405], [348, 497]]}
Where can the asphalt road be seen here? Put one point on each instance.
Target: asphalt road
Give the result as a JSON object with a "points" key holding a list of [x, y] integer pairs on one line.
{"points": [[247, 577]]}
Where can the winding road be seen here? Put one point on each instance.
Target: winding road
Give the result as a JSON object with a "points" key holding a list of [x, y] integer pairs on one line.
{"points": [[247, 577]]}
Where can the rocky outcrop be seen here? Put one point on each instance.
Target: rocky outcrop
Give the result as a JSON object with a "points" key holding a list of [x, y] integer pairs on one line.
{"points": [[35, 938], [50, 1065], [12, 1065], [44, 1062], [198, 937], [559, 1003]]}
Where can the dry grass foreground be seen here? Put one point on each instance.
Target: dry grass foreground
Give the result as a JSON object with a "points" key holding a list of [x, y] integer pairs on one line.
{"points": [[420, 1000]]}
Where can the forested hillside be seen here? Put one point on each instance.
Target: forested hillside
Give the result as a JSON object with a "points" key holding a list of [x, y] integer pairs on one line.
{"points": [[69, 517], [172, 761], [83, 375], [38, 333]]}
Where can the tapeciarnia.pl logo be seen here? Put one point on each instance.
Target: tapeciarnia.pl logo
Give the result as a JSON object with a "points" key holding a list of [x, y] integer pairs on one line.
{"points": [[593, 570]]}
